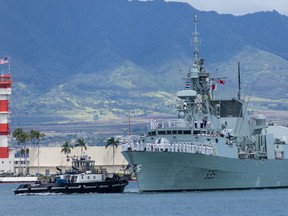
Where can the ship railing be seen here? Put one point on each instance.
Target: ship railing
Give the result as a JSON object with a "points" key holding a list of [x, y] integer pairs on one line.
{"points": [[154, 124], [170, 147]]}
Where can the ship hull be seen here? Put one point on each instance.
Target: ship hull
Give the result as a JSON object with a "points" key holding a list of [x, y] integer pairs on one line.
{"points": [[112, 186], [179, 171]]}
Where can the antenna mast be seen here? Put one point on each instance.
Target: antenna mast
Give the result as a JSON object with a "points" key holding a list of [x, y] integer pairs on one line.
{"points": [[129, 126], [195, 40], [239, 82]]}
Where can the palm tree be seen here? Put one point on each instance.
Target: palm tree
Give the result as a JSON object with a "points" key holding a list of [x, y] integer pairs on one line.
{"points": [[37, 136], [114, 143], [80, 142], [21, 137], [66, 148]]}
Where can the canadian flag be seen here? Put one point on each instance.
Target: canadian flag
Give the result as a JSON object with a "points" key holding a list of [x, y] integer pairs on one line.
{"points": [[215, 82], [222, 82]]}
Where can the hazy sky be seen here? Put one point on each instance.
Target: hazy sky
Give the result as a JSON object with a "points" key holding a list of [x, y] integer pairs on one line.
{"points": [[239, 7]]}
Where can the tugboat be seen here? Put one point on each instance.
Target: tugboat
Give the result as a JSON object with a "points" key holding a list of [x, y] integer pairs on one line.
{"points": [[83, 178]]}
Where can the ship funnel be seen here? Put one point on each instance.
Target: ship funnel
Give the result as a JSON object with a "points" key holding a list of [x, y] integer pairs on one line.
{"points": [[260, 120], [258, 123]]}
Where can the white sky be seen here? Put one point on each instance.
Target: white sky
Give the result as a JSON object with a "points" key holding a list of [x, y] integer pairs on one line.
{"points": [[239, 7]]}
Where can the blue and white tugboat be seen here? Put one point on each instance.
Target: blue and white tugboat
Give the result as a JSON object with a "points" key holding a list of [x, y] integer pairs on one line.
{"points": [[82, 179]]}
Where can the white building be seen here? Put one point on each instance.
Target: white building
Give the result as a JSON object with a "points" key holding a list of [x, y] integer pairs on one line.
{"points": [[51, 157]]}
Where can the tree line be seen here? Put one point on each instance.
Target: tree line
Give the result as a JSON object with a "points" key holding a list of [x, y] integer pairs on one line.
{"points": [[35, 136]]}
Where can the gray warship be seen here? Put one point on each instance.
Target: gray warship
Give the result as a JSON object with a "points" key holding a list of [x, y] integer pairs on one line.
{"points": [[213, 144]]}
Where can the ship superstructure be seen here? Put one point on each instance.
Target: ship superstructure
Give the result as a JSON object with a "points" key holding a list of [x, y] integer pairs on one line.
{"points": [[213, 144]]}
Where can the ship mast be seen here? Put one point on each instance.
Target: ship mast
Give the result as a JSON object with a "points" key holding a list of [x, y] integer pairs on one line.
{"points": [[196, 94], [195, 40], [239, 82]]}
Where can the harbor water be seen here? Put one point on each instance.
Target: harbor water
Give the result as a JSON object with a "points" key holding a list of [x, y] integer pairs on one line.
{"points": [[133, 203]]}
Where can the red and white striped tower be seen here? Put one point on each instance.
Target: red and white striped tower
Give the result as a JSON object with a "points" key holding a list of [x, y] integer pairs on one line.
{"points": [[6, 164]]}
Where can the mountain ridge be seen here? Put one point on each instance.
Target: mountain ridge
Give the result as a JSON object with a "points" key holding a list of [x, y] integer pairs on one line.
{"points": [[129, 55]]}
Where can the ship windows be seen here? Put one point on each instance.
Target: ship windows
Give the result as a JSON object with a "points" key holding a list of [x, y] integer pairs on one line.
{"points": [[187, 131], [74, 179], [152, 133], [174, 132], [161, 132], [180, 132], [169, 132]]}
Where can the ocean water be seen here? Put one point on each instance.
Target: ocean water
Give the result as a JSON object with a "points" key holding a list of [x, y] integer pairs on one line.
{"points": [[132, 203]]}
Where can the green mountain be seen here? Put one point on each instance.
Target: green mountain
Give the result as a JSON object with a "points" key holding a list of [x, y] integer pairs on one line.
{"points": [[94, 60]]}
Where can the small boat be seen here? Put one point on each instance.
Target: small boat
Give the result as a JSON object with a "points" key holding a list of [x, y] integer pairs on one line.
{"points": [[83, 178]]}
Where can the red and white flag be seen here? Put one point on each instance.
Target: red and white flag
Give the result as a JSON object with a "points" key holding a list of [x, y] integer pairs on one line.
{"points": [[216, 82], [220, 81]]}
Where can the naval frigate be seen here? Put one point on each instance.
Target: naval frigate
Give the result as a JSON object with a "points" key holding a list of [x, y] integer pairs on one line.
{"points": [[213, 144]]}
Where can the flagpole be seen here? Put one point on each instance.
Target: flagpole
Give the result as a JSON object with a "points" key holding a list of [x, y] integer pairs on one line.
{"points": [[9, 66], [212, 92], [239, 82]]}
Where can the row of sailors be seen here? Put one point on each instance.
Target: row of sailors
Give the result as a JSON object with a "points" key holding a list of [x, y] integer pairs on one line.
{"points": [[173, 147], [154, 124], [202, 124]]}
